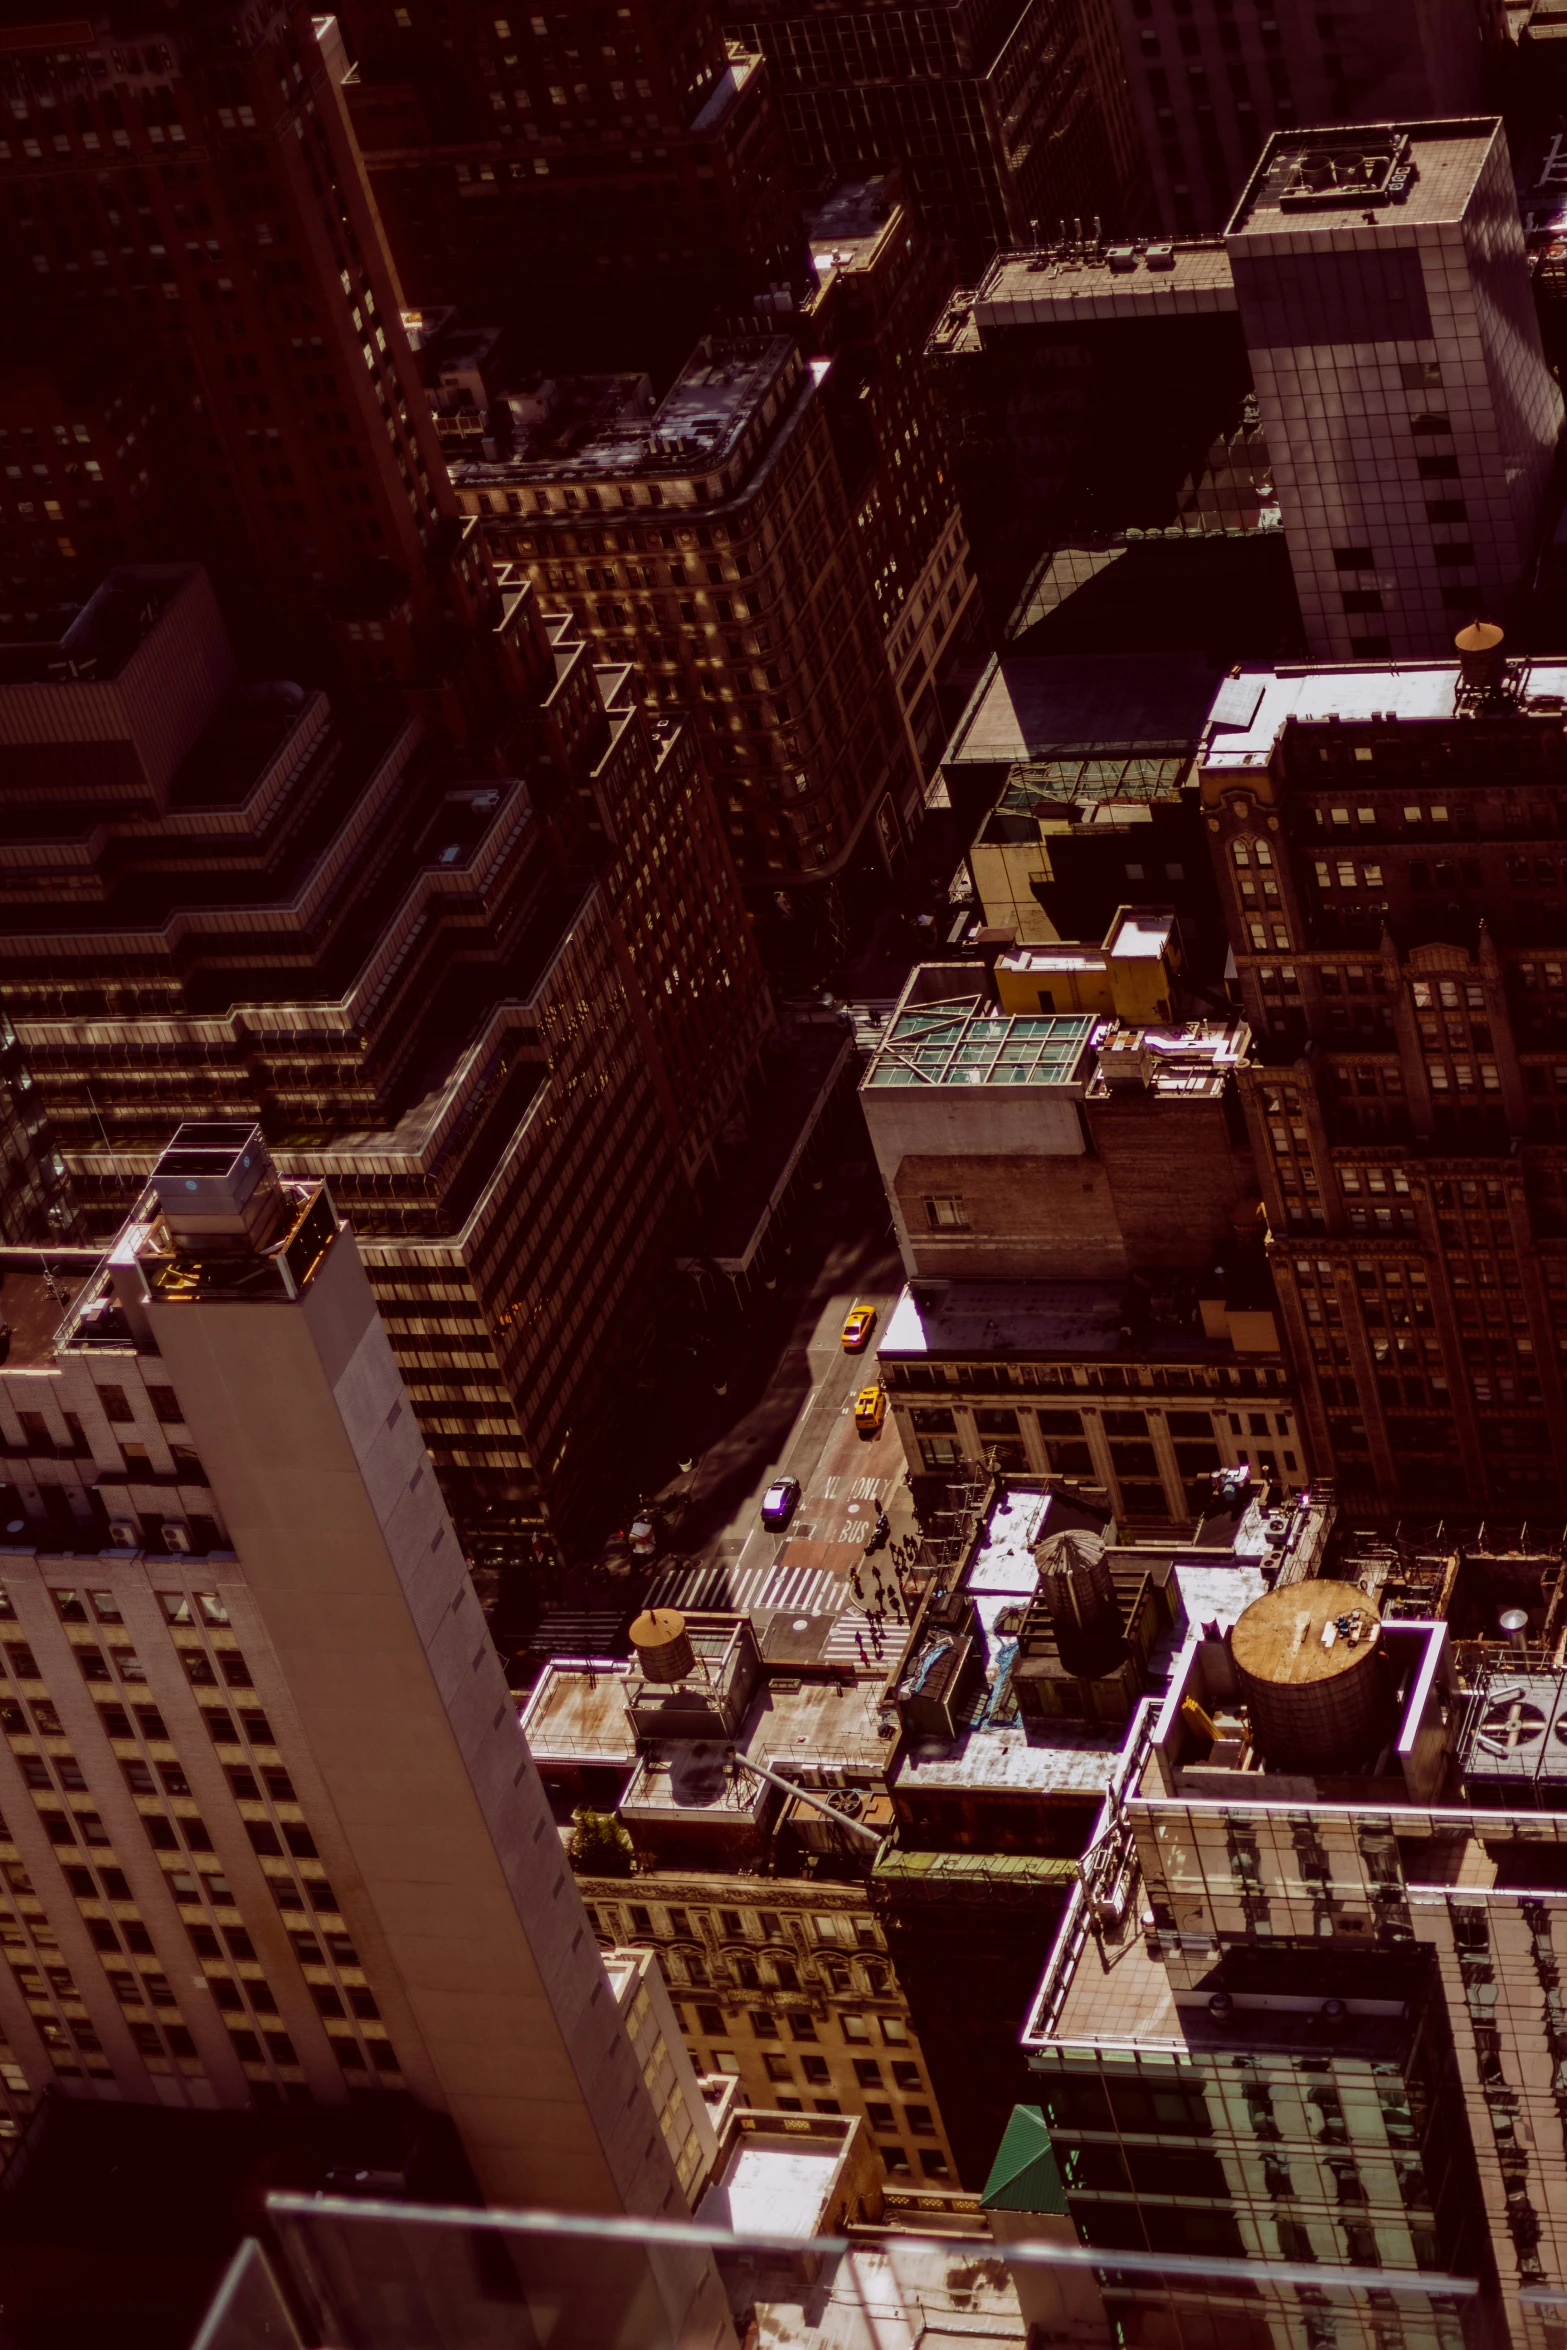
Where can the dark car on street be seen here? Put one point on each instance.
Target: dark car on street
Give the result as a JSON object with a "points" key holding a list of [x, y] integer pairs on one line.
{"points": [[780, 1502]]}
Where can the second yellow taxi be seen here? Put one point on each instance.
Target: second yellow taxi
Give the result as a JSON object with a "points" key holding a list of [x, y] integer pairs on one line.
{"points": [[870, 1409]]}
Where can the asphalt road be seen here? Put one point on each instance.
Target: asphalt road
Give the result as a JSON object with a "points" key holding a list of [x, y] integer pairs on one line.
{"points": [[812, 1591], [790, 1407]]}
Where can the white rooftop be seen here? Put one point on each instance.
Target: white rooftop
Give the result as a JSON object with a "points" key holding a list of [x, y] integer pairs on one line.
{"points": [[1075, 1762], [1356, 690], [1218, 1594], [1142, 934], [774, 2187]]}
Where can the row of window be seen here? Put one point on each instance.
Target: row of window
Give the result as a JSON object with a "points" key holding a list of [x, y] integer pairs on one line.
{"points": [[995, 1378]]}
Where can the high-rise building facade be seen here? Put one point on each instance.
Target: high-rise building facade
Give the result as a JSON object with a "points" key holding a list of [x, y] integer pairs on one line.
{"points": [[635, 158], [271, 1832], [880, 282], [1409, 413], [998, 115], [1388, 848], [1209, 82], [509, 1012], [206, 357], [708, 542]]}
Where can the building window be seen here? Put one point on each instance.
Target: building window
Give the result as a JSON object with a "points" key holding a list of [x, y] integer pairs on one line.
{"points": [[945, 1213]]}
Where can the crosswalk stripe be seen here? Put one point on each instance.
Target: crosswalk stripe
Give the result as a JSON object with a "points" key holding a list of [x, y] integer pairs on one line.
{"points": [[802, 1590]]}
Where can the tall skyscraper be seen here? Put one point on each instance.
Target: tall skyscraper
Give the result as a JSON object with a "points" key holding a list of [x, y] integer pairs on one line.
{"points": [[206, 357], [1388, 849], [1409, 413], [635, 158], [448, 985], [1209, 81], [1001, 116], [271, 1830]]}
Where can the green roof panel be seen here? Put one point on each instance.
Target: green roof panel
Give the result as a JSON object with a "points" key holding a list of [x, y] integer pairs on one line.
{"points": [[1024, 2176]]}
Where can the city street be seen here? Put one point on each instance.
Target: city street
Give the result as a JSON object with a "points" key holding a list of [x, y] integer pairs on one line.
{"points": [[799, 1587]]}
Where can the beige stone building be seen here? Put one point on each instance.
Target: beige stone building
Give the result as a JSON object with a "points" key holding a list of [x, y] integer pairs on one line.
{"points": [[271, 1834], [760, 1908]]}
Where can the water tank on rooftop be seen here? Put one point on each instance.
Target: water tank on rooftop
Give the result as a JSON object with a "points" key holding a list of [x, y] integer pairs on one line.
{"points": [[662, 1645], [1482, 659], [1079, 1591], [1314, 1676]]}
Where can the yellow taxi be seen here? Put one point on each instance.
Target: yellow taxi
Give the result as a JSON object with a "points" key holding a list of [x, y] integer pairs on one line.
{"points": [[870, 1409], [857, 1329]]}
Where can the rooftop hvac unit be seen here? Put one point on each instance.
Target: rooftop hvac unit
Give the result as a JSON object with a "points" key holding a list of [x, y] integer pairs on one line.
{"points": [[1517, 1740]]}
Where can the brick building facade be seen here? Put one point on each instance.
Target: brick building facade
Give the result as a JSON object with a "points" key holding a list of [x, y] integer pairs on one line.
{"points": [[1389, 850]]}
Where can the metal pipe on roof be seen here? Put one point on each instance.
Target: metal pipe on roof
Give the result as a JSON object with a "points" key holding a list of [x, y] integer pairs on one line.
{"points": [[739, 1762]]}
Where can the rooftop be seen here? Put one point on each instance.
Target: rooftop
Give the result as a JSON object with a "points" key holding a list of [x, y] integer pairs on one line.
{"points": [[1140, 281], [1251, 708], [1198, 1057], [1141, 932], [998, 1749], [967, 1043], [111, 627], [770, 2184], [577, 1713], [1128, 2002], [33, 1304], [586, 428], [1060, 795], [1311, 182], [845, 229], [965, 1320]]}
